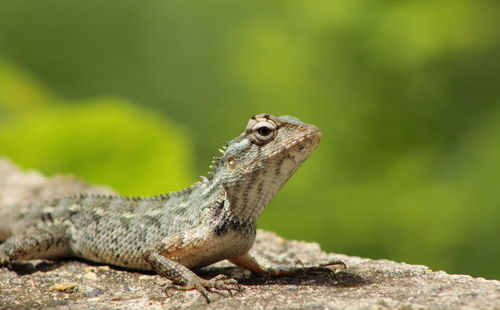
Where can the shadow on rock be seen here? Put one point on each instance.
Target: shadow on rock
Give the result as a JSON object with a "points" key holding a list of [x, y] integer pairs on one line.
{"points": [[22, 268], [340, 278]]}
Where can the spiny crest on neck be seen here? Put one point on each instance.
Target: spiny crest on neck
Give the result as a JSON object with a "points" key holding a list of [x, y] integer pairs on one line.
{"points": [[217, 161]]}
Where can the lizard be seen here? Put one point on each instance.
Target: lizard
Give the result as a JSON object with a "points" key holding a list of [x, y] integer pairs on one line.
{"points": [[170, 234]]}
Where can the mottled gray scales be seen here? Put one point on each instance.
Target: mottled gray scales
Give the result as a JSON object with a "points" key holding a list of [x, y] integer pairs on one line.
{"points": [[214, 219]]}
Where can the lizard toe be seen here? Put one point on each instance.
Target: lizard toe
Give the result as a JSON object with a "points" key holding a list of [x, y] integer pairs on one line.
{"points": [[330, 267], [335, 262], [4, 259], [222, 282], [221, 285]]}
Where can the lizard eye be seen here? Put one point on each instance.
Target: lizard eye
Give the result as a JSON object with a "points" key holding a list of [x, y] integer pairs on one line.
{"points": [[262, 129], [263, 132]]}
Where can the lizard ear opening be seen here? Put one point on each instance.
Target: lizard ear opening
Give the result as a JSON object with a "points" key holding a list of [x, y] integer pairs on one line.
{"points": [[231, 163]]}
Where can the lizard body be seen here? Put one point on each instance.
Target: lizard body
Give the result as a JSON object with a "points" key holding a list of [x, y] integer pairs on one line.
{"points": [[213, 220]]}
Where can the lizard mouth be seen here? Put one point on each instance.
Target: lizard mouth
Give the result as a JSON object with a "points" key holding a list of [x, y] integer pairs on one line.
{"points": [[310, 138], [298, 150], [314, 136]]}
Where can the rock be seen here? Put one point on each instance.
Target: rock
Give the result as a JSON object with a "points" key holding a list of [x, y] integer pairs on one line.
{"points": [[66, 287], [365, 284], [90, 276], [91, 291]]}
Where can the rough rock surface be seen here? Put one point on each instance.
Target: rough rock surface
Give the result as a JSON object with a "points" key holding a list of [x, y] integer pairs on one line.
{"points": [[366, 284]]}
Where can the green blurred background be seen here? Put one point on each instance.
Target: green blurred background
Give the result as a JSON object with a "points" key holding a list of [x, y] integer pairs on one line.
{"points": [[140, 94]]}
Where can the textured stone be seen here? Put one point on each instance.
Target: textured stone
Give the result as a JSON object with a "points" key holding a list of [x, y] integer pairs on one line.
{"points": [[366, 284]]}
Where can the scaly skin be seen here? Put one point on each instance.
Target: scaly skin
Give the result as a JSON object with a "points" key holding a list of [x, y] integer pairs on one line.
{"points": [[213, 220]]}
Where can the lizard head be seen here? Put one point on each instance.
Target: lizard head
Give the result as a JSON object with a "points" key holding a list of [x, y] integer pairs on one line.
{"points": [[255, 165]]}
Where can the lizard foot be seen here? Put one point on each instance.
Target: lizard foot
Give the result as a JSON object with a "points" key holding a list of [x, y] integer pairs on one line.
{"points": [[218, 285], [4, 259], [340, 265], [335, 262], [326, 267], [289, 270]]}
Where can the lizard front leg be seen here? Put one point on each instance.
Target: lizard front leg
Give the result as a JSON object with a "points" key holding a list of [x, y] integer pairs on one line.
{"points": [[163, 257], [260, 265]]}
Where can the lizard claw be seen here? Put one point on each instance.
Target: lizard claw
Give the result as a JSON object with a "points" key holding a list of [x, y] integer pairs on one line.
{"points": [[218, 285]]}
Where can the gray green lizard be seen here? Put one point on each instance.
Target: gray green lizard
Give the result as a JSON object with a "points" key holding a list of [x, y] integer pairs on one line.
{"points": [[213, 220]]}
